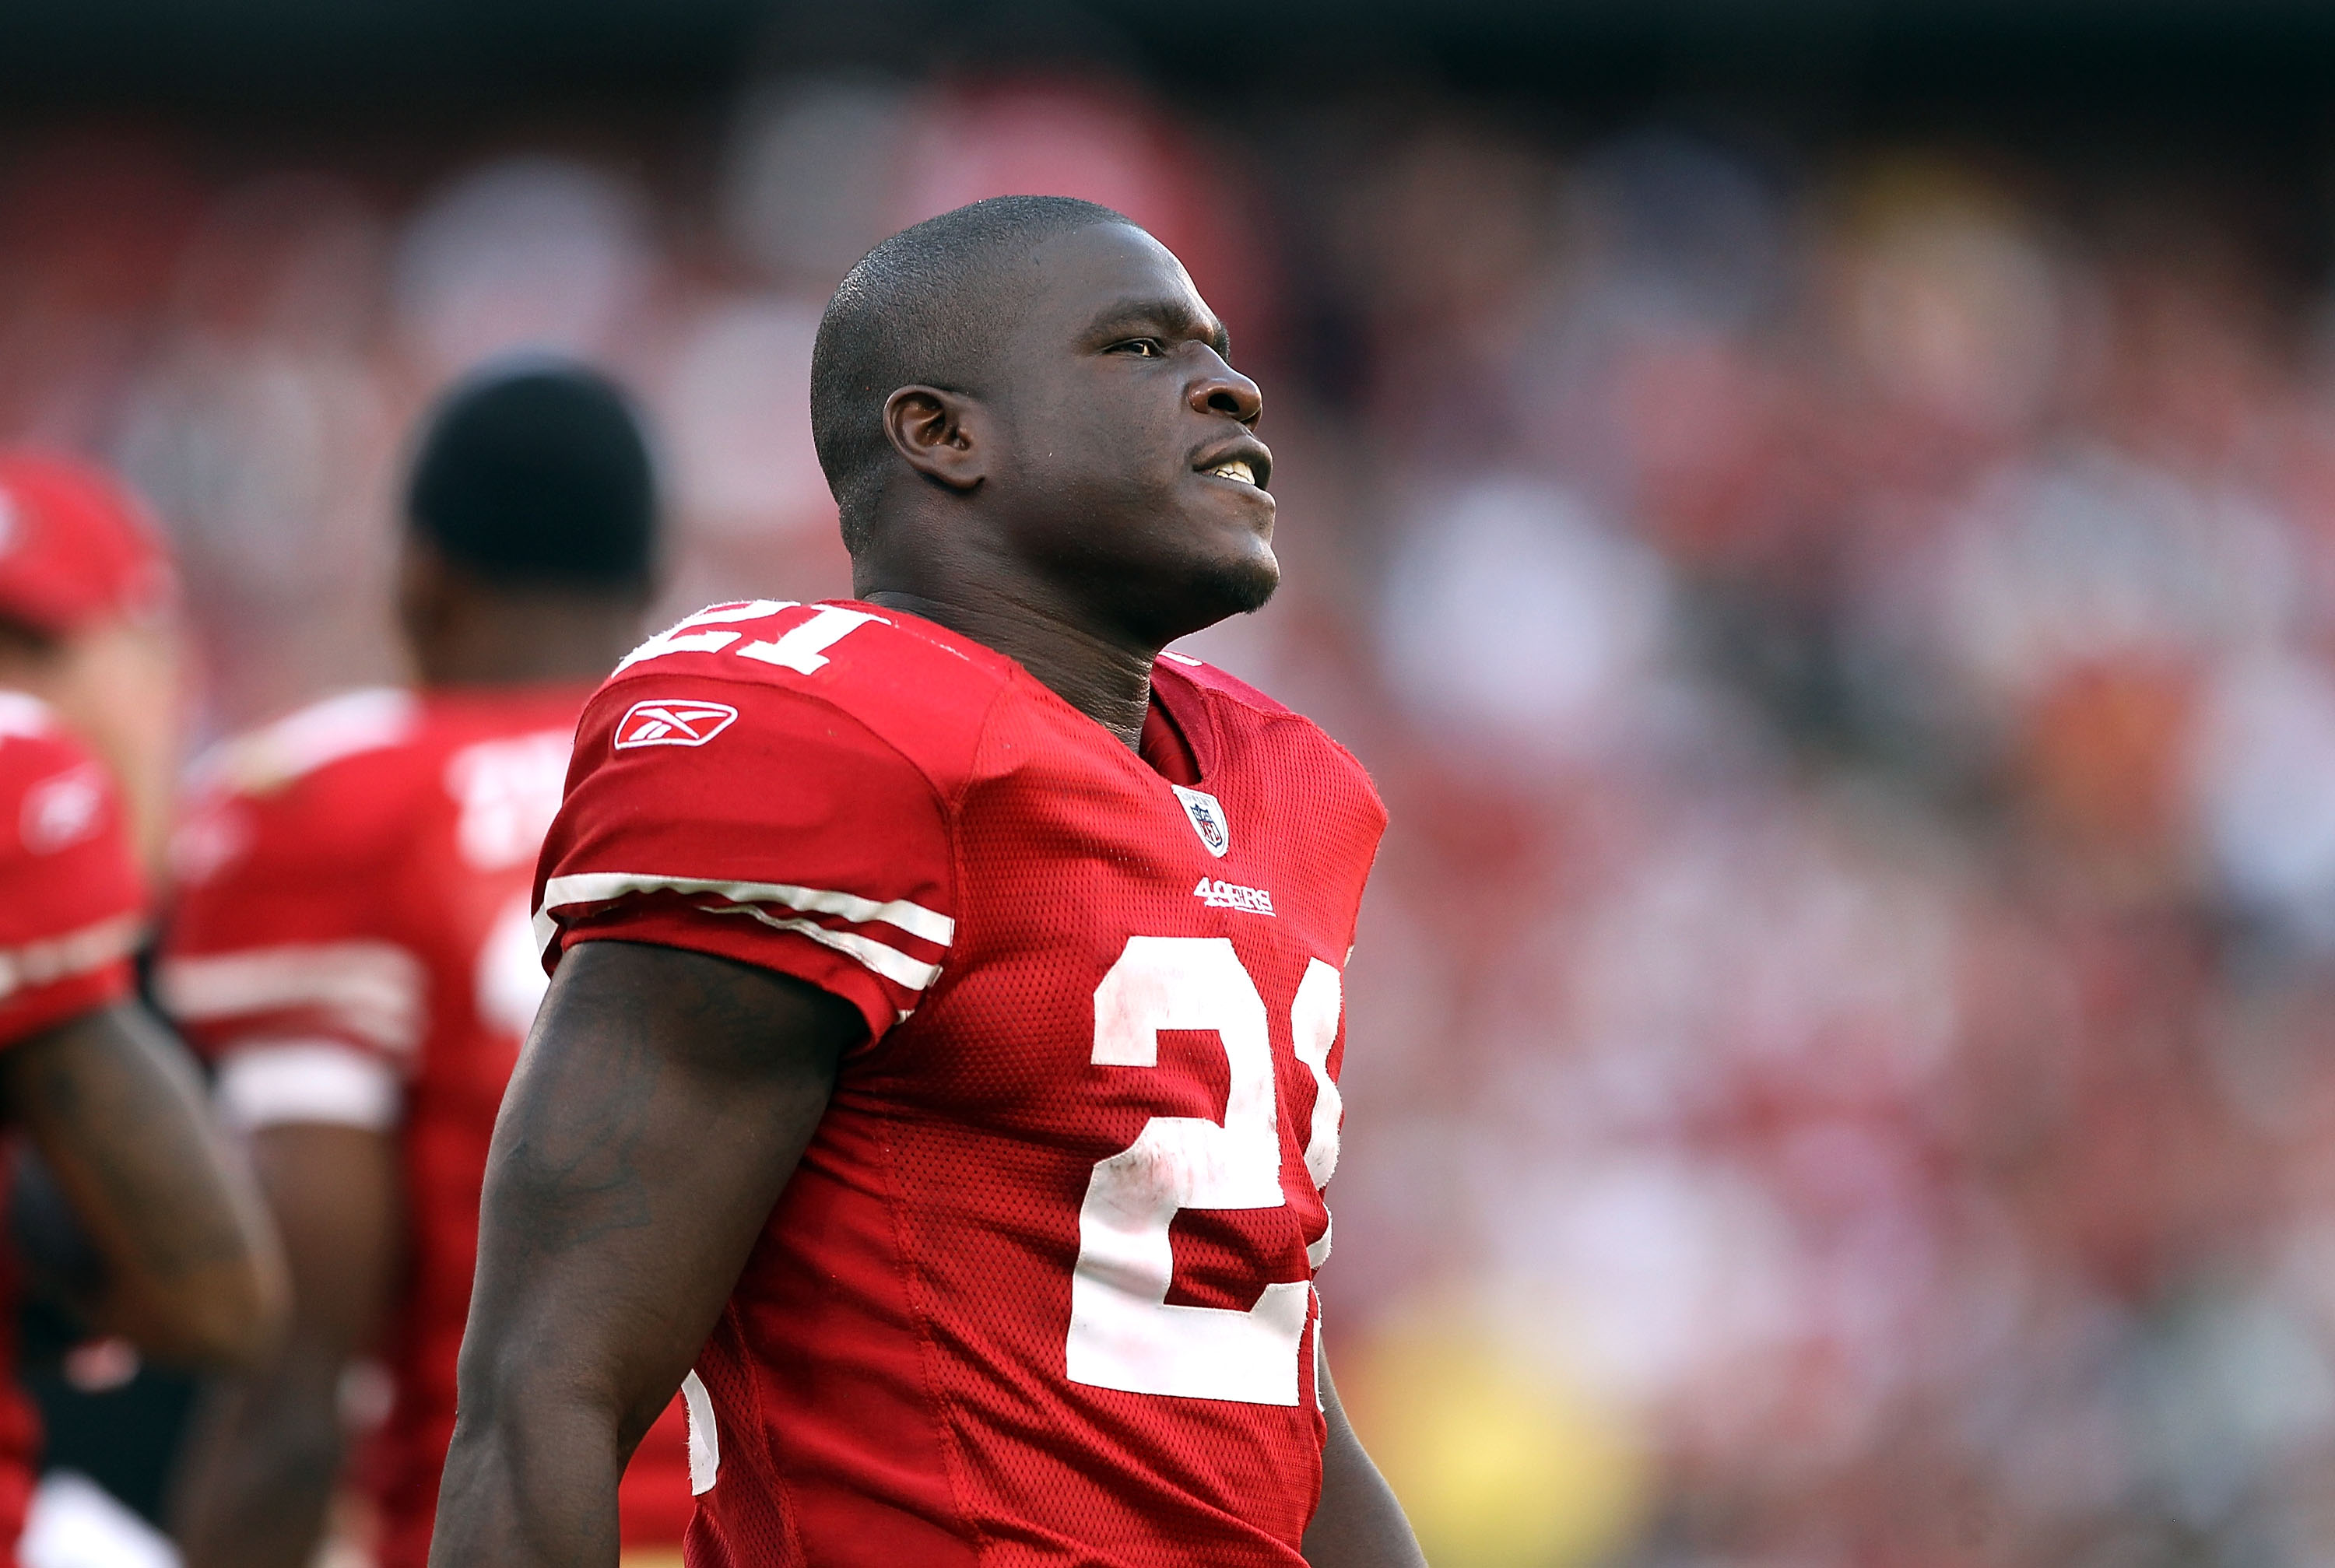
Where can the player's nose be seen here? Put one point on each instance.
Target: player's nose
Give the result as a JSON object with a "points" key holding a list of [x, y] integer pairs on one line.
{"points": [[1221, 390]]}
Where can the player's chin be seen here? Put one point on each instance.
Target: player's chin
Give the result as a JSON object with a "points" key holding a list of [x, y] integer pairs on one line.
{"points": [[1221, 561], [1235, 582]]}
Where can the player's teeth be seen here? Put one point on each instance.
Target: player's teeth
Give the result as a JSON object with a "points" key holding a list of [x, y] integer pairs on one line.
{"points": [[1235, 469]]}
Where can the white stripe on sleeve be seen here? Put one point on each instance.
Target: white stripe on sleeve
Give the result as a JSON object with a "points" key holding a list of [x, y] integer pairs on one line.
{"points": [[307, 1082], [63, 957], [888, 961], [745, 897], [377, 991]]}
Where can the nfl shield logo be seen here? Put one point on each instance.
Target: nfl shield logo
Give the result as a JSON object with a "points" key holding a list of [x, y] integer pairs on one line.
{"points": [[1208, 819]]}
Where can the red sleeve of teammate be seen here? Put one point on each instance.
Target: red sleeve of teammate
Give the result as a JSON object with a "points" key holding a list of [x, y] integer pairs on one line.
{"points": [[756, 823], [287, 960], [71, 904]]}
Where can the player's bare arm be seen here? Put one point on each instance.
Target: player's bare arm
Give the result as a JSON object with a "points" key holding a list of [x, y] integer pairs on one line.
{"points": [[1360, 1524], [661, 1105], [191, 1269], [267, 1448]]}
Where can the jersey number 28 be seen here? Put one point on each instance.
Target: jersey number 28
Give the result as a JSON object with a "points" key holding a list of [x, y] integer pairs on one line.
{"points": [[1123, 1332]]}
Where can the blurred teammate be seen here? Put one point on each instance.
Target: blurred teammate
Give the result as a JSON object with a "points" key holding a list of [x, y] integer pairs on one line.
{"points": [[946, 1018], [185, 1263], [86, 625], [352, 949]]}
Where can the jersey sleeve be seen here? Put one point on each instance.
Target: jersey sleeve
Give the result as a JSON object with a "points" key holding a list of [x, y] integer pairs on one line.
{"points": [[72, 903], [755, 823], [286, 962]]}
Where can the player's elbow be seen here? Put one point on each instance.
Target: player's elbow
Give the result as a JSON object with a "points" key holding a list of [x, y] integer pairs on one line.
{"points": [[518, 1387], [498, 1380], [230, 1318], [241, 1328]]}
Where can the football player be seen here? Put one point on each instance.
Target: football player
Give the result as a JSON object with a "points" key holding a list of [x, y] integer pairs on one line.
{"points": [[352, 950], [939, 1075], [169, 1243], [88, 623]]}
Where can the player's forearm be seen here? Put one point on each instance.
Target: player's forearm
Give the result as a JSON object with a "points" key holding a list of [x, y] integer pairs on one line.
{"points": [[192, 1269], [546, 1376], [261, 1465], [1359, 1522], [530, 1485], [260, 1472]]}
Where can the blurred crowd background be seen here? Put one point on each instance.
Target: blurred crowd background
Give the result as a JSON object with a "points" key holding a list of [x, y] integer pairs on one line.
{"points": [[1841, 1063]]}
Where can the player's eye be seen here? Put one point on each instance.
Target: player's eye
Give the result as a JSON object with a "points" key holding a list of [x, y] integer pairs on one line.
{"points": [[1142, 348]]}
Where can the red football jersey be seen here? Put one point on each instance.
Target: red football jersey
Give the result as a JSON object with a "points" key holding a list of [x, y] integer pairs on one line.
{"points": [[351, 946], [1040, 1290], [72, 907]]}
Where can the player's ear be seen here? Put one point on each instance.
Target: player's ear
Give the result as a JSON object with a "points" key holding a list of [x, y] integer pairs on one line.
{"points": [[932, 431]]}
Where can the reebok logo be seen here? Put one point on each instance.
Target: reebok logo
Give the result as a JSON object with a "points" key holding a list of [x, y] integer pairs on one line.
{"points": [[673, 723], [1208, 819], [1227, 895], [61, 812]]}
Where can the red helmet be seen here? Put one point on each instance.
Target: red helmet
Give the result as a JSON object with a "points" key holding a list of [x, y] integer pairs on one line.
{"points": [[76, 546]]}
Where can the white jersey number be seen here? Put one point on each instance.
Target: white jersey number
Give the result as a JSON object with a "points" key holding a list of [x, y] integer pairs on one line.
{"points": [[801, 647], [1123, 1333]]}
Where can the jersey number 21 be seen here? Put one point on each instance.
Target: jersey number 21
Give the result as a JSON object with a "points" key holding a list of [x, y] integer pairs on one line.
{"points": [[1123, 1332]]}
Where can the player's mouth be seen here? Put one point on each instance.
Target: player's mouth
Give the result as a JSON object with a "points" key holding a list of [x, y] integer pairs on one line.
{"points": [[1242, 462]]}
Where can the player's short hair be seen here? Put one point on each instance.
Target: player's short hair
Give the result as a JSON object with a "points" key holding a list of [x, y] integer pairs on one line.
{"points": [[916, 311], [536, 472]]}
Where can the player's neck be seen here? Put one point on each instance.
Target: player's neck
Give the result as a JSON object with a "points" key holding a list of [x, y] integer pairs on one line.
{"points": [[528, 640], [1108, 681]]}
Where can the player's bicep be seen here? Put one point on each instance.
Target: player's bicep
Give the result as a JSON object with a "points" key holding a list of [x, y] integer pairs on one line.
{"points": [[113, 1105], [663, 1102]]}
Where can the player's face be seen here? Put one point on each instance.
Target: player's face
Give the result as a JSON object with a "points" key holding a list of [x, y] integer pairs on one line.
{"points": [[1133, 468], [116, 684]]}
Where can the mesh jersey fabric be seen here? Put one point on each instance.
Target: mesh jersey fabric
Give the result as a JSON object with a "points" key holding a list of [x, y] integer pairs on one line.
{"points": [[71, 909], [355, 876], [1039, 1289]]}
